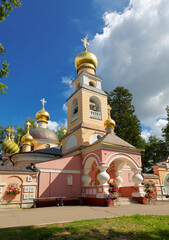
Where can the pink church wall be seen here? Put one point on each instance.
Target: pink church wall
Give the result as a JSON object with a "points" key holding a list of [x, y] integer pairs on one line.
{"points": [[55, 184]]}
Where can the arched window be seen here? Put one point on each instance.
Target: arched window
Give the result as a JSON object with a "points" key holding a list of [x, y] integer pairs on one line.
{"points": [[78, 86], [92, 84], [95, 108], [74, 110]]}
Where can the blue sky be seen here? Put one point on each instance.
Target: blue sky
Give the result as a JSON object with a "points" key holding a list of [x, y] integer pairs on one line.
{"points": [[42, 40]]}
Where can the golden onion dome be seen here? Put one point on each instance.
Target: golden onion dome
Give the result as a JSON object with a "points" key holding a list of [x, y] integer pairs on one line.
{"points": [[42, 115], [9, 147], [27, 138], [109, 123], [86, 59]]}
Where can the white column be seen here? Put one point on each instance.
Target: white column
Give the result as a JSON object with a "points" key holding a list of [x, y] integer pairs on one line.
{"points": [[137, 178], [86, 178], [103, 177], [118, 179]]}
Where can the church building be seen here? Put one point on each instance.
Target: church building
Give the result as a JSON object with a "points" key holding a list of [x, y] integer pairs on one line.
{"points": [[90, 157]]}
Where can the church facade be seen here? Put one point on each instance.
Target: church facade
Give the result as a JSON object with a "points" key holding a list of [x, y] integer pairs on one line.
{"points": [[90, 157]]}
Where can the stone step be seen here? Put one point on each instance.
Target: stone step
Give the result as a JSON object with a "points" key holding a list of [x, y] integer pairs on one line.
{"points": [[124, 201]]}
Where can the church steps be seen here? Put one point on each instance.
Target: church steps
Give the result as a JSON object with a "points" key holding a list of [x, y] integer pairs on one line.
{"points": [[124, 201]]}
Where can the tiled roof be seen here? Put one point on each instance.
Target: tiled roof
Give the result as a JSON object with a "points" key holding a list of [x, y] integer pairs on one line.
{"points": [[112, 138]]}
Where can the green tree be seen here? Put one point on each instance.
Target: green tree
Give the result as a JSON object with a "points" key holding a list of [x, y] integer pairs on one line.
{"points": [[154, 150], [6, 6], [60, 133], [127, 123], [165, 130]]}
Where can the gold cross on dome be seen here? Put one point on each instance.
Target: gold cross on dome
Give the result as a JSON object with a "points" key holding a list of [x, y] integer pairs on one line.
{"points": [[109, 110], [28, 125], [43, 102], [9, 132], [85, 43]]}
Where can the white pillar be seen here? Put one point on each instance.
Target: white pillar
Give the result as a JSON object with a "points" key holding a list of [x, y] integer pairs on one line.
{"points": [[118, 179], [137, 178], [103, 177], [86, 178]]}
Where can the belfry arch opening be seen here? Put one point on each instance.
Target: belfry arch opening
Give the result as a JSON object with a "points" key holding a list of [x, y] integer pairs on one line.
{"points": [[74, 110], [95, 108]]}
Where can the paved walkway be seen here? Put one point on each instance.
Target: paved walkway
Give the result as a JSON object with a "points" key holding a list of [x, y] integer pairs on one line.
{"points": [[47, 215]]}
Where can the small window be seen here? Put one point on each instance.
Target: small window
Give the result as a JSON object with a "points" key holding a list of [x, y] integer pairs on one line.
{"points": [[29, 179], [47, 146], [78, 86], [26, 196], [69, 180], [26, 189]]}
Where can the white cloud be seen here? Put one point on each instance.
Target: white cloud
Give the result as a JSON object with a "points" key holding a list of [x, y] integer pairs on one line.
{"points": [[65, 107], [68, 86], [156, 128], [133, 51], [52, 125]]}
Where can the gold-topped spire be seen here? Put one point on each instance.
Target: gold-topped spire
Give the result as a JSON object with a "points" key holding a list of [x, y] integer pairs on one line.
{"points": [[19, 137], [27, 138], [12, 135], [109, 124], [43, 102], [85, 43], [9, 132]]}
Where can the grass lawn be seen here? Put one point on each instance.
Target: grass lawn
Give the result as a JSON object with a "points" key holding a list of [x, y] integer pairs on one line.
{"points": [[134, 227]]}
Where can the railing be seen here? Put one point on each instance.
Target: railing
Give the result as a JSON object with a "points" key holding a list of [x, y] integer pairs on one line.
{"points": [[95, 115]]}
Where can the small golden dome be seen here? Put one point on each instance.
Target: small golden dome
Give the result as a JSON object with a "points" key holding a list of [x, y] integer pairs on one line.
{"points": [[86, 59], [42, 115], [27, 138], [109, 123]]}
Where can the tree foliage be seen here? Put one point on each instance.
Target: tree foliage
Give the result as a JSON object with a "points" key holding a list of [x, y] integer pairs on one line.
{"points": [[6, 6], [123, 113], [60, 133], [155, 149]]}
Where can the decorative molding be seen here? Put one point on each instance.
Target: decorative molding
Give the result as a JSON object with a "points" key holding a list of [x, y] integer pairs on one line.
{"points": [[90, 154], [29, 184], [59, 171], [122, 155], [2, 184]]}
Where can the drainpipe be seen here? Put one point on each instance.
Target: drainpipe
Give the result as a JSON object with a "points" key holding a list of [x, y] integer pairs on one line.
{"points": [[38, 183]]}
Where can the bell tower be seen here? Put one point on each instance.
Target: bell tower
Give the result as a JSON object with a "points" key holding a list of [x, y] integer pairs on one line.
{"points": [[86, 107]]}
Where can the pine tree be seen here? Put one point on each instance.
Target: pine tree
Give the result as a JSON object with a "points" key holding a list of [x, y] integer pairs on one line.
{"points": [[127, 123]]}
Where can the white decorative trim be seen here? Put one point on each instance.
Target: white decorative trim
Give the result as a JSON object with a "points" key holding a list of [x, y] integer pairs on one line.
{"points": [[18, 170], [29, 184], [165, 177], [0, 189], [94, 191], [98, 159], [122, 155], [59, 170], [0, 196], [2, 184]]}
